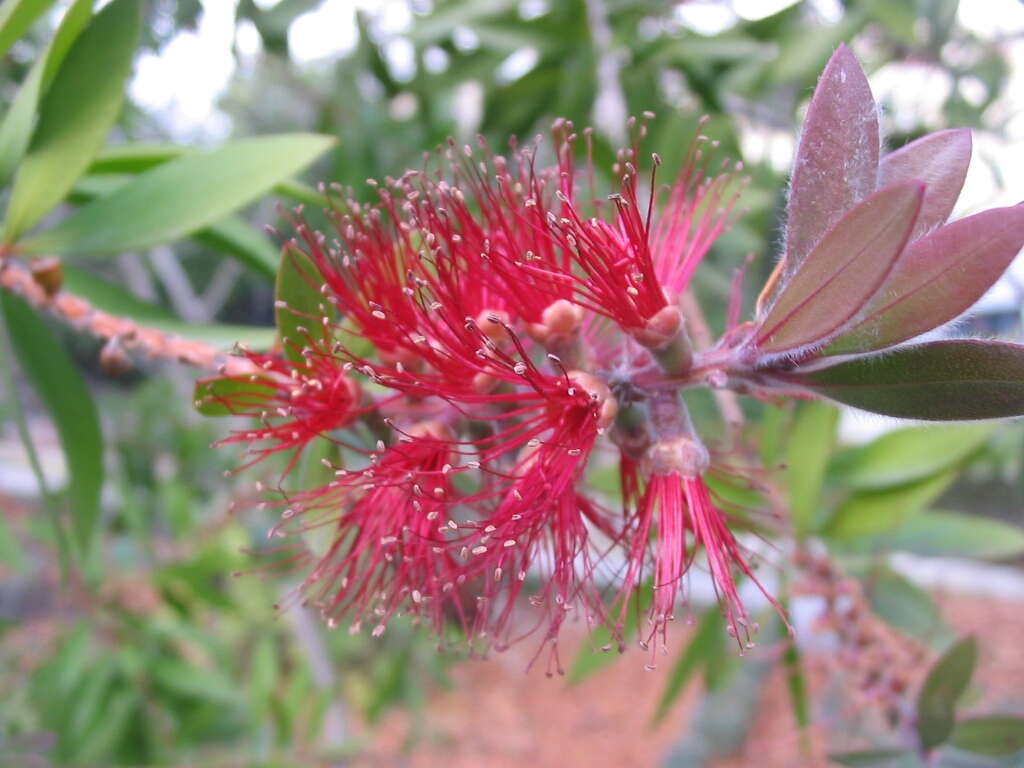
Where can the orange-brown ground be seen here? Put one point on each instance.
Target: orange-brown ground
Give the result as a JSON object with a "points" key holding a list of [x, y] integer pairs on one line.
{"points": [[499, 715]]}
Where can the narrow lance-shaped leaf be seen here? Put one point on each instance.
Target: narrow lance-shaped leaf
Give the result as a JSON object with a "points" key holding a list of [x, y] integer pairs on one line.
{"points": [[181, 196], [76, 114], [60, 386], [139, 157], [940, 160], [19, 120], [942, 689], [836, 163], [842, 273], [231, 235], [956, 380], [937, 279]]}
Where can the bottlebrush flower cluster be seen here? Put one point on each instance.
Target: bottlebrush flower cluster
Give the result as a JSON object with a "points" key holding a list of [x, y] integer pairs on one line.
{"points": [[487, 327]]}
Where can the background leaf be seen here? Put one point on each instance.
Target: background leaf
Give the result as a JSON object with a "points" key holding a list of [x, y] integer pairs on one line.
{"points": [[58, 384], [16, 16], [947, 534], [995, 736], [868, 513], [807, 453], [75, 115], [906, 455], [946, 682], [181, 196], [20, 118]]}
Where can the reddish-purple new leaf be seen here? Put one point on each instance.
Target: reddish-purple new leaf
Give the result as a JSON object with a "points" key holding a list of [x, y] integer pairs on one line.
{"points": [[836, 163], [842, 272], [940, 381], [936, 279], [940, 160]]}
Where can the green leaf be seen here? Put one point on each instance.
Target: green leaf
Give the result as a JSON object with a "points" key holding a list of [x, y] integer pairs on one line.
{"points": [[20, 118], [949, 534], [870, 758], [61, 388], [995, 736], [181, 196], [75, 115], [909, 454], [16, 16], [955, 380], [139, 157], [807, 454], [231, 234], [706, 638], [945, 684], [868, 513], [904, 605], [297, 301], [223, 396]]}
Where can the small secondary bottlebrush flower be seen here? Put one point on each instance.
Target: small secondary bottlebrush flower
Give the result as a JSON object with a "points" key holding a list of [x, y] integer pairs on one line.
{"points": [[487, 331]]}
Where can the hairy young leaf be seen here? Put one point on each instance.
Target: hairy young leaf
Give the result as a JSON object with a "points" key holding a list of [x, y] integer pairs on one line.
{"points": [[842, 272], [836, 163], [956, 380], [937, 279], [940, 160]]}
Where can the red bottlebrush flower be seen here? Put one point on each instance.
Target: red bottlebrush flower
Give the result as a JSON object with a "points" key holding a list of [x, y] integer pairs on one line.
{"points": [[635, 266], [292, 403], [491, 302], [390, 532]]}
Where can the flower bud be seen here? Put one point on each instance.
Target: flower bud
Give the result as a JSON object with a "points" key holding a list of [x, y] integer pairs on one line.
{"points": [[661, 328], [48, 272]]}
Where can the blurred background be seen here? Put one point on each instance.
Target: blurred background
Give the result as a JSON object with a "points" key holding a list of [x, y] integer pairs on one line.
{"points": [[150, 652]]}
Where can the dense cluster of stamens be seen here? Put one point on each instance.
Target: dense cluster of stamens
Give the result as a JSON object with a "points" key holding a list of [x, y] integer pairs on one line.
{"points": [[510, 324]]}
